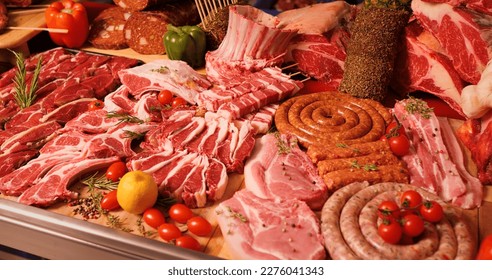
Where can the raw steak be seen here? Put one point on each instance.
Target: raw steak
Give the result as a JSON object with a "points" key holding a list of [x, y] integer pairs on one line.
{"points": [[257, 228], [279, 170]]}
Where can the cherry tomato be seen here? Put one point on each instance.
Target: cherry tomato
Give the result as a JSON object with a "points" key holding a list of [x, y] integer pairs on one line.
{"points": [[178, 102], [180, 213], [109, 201], [199, 226], [399, 145], [95, 105], [388, 210], [394, 128], [431, 211], [116, 171], [154, 217], [188, 242], [413, 225], [410, 199], [390, 231], [168, 232], [165, 97], [384, 138], [485, 250]]}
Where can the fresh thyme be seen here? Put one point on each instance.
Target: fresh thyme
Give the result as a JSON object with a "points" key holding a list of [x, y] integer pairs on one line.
{"points": [[25, 95], [162, 70], [115, 222], [418, 106], [142, 230], [366, 167], [237, 215], [282, 146], [124, 117], [343, 145]]}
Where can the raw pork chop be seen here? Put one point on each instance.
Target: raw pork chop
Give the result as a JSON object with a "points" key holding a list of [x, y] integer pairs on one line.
{"points": [[279, 170], [257, 228]]}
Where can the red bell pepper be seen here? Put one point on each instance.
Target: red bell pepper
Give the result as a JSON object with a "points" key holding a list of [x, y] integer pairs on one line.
{"points": [[485, 250], [70, 15]]}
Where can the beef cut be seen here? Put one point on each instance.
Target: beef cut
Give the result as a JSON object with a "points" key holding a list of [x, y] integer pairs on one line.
{"points": [[259, 229], [278, 169], [463, 34]]}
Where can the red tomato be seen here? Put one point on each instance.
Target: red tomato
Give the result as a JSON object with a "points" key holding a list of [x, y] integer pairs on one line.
{"points": [[188, 242], [394, 128], [95, 105], [413, 225], [390, 231], [410, 199], [109, 201], [165, 97], [116, 171], [168, 232], [199, 226], [384, 138], [388, 210], [154, 217], [485, 250], [180, 213], [431, 211], [399, 145], [178, 102]]}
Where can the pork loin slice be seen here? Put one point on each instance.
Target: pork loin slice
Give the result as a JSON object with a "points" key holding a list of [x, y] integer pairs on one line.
{"points": [[258, 228], [54, 185], [279, 170]]}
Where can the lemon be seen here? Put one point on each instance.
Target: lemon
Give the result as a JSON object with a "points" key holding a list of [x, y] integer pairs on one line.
{"points": [[137, 191]]}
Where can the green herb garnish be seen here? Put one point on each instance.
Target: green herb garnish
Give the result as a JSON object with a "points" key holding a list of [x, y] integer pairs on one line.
{"points": [[25, 95], [418, 106], [124, 117]]}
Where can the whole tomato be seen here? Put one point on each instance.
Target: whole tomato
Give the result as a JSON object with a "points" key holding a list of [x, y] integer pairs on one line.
{"points": [[165, 97], [188, 242], [485, 250], [168, 232], [95, 105], [388, 210], [199, 226], [116, 170], [180, 213], [410, 199], [154, 217], [413, 225], [399, 145], [395, 128], [109, 201], [178, 102], [431, 211], [390, 231]]}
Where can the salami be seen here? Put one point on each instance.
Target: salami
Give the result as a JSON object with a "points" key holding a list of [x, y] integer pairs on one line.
{"points": [[107, 29], [349, 225], [4, 18], [138, 5], [144, 29]]}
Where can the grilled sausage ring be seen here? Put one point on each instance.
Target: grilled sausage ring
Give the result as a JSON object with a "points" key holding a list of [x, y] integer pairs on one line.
{"points": [[332, 117], [349, 225]]}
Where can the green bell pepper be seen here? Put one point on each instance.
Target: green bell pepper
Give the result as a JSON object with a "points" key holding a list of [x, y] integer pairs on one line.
{"points": [[187, 43]]}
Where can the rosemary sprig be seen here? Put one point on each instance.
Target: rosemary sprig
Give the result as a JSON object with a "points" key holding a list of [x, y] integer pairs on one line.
{"points": [[237, 215], [24, 96], [116, 222], [99, 182], [124, 117], [282, 146], [162, 70], [133, 135], [142, 230]]}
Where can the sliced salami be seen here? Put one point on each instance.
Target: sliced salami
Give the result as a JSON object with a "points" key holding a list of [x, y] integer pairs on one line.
{"points": [[138, 5], [107, 29]]}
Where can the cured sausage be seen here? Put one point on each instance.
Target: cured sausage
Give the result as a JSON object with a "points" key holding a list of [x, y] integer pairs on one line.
{"points": [[144, 29], [331, 117], [107, 29], [349, 223], [341, 150], [138, 5]]}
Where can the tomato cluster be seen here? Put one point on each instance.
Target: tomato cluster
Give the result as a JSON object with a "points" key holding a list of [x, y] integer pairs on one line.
{"points": [[397, 139], [401, 223], [168, 231], [166, 98]]}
